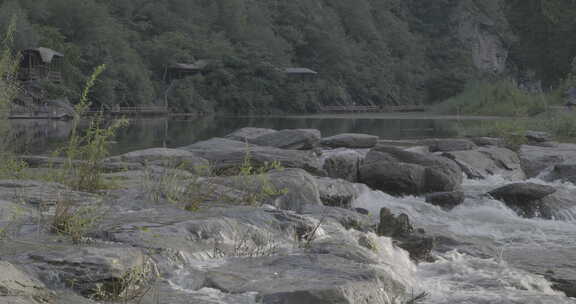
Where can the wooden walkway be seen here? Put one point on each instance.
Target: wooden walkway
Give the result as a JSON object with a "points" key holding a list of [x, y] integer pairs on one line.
{"points": [[355, 109]]}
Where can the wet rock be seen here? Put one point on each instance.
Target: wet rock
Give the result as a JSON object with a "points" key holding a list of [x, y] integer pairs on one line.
{"points": [[350, 140], [401, 230], [305, 279], [295, 139], [487, 141], [337, 192], [247, 134], [226, 156], [449, 144], [537, 159], [537, 136], [565, 171], [342, 163], [525, 198], [87, 269], [401, 172], [164, 157], [486, 161], [446, 200], [17, 287]]}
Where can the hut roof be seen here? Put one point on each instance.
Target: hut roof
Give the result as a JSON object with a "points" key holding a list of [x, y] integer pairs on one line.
{"points": [[46, 54], [198, 65], [299, 71]]}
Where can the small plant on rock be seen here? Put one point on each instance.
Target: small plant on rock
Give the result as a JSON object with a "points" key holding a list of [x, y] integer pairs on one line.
{"points": [[75, 221]]}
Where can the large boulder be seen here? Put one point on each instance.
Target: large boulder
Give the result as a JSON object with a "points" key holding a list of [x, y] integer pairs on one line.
{"points": [[401, 172], [295, 139], [449, 144], [305, 279], [536, 159], [565, 171], [165, 157], [350, 140], [446, 200], [525, 198], [287, 189], [90, 270], [17, 287], [227, 156], [247, 134], [342, 163], [486, 161], [337, 192]]}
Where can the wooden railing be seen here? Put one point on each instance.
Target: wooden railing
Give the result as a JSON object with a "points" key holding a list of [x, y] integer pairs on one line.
{"points": [[144, 110], [352, 108]]}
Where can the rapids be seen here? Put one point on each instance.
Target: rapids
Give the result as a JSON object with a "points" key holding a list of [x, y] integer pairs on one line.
{"points": [[486, 253]]}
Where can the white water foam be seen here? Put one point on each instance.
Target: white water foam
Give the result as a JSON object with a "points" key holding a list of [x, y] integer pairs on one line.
{"points": [[493, 234]]}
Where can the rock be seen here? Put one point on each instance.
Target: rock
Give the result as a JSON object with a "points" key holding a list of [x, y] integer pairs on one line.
{"points": [[449, 144], [525, 198], [486, 161], [164, 157], [350, 140], [446, 200], [401, 172], [247, 134], [538, 137], [42, 194], [89, 269], [401, 230], [18, 287], [337, 192], [487, 141], [394, 178], [305, 279], [342, 163], [565, 171], [287, 189], [295, 139], [227, 156], [535, 159]]}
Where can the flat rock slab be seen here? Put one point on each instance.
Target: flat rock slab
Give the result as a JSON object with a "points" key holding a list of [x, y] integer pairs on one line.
{"points": [[294, 139], [18, 287], [247, 134], [449, 144], [487, 161], [164, 157], [524, 198], [350, 140], [536, 159], [305, 279], [228, 155]]}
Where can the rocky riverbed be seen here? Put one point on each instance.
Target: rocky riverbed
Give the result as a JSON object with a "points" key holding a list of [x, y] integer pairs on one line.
{"points": [[287, 216]]}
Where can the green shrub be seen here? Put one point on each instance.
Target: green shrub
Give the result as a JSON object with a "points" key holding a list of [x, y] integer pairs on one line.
{"points": [[497, 98]]}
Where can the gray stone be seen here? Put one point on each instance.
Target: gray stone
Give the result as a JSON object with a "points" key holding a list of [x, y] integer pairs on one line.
{"points": [[486, 161], [565, 171], [537, 136], [401, 172], [287, 189], [295, 139], [446, 200], [487, 141], [525, 198], [306, 279], [226, 156], [86, 269], [449, 144], [342, 163], [247, 134], [337, 192], [18, 287], [536, 159], [350, 140], [164, 157]]}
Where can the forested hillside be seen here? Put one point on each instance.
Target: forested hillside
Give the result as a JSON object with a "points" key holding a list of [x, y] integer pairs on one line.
{"points": [[371, 52]]}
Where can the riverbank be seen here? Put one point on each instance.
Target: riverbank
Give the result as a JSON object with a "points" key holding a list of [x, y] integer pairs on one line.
{"points": [[291, 216]]}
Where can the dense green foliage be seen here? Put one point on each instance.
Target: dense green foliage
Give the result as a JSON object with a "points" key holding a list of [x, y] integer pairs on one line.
{"points": [[371, 52]]}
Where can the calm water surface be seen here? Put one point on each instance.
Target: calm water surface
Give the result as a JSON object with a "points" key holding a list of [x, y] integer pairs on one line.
{"points": [[35, 136]]}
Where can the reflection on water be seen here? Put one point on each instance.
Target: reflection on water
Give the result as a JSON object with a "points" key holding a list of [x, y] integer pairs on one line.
{"points": [[35, 136]]}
